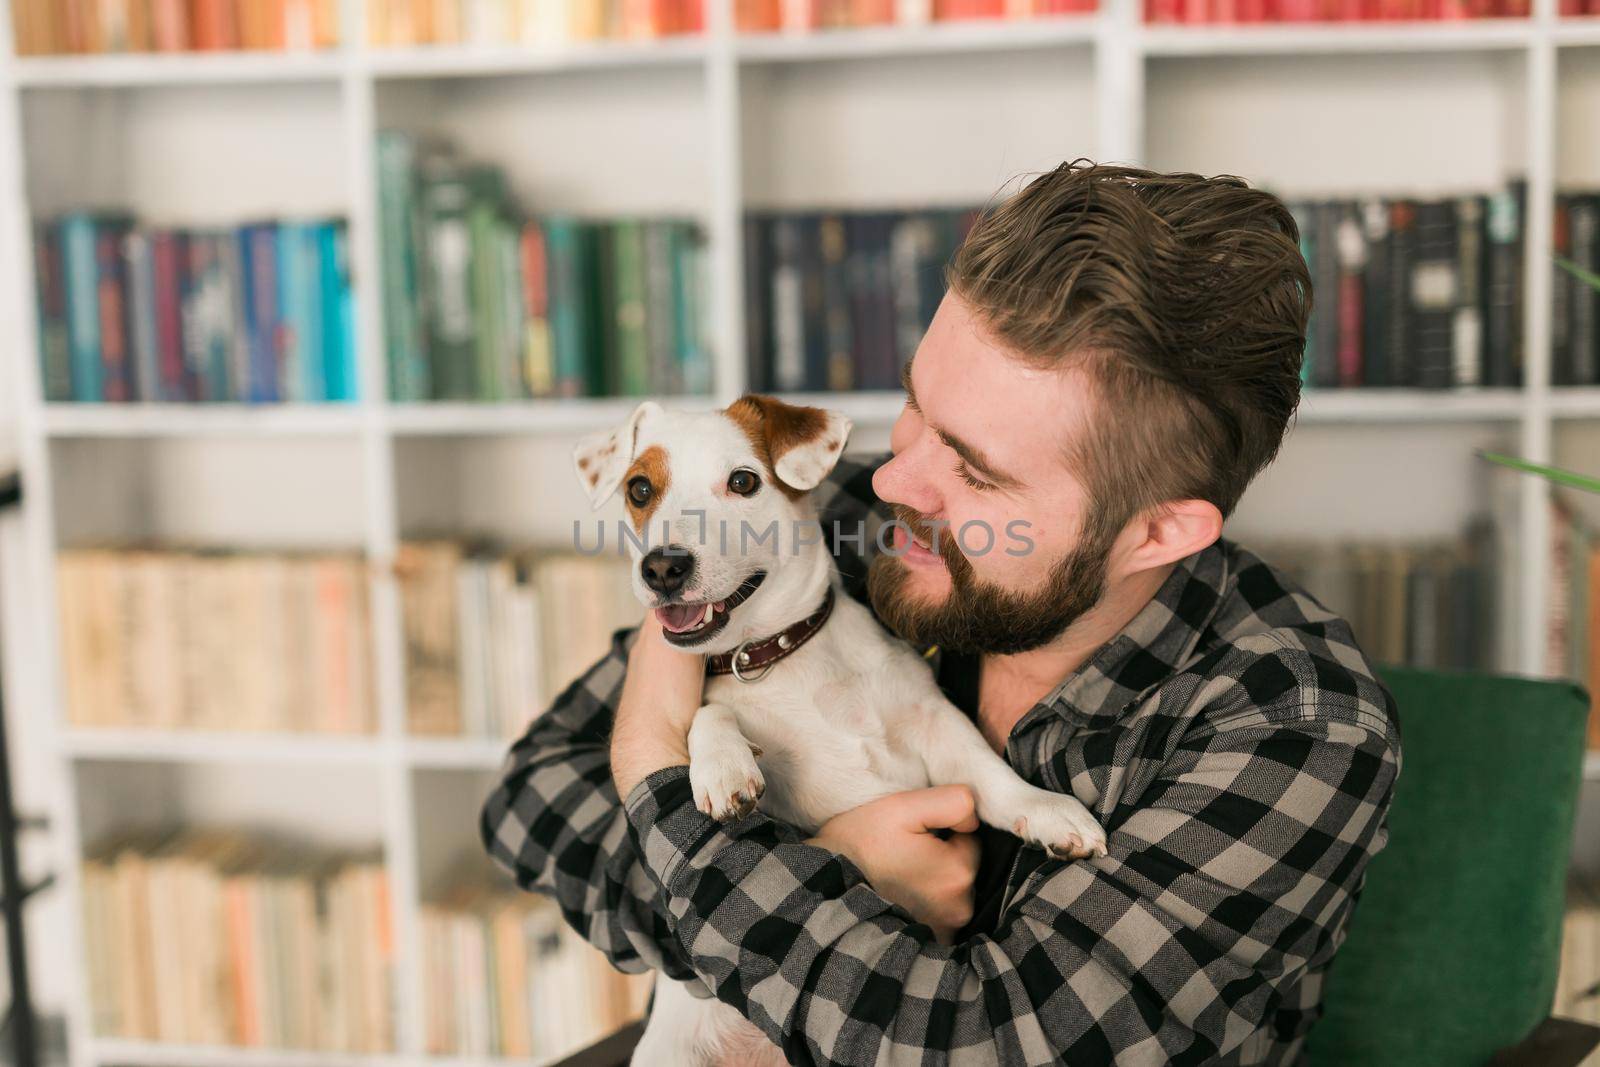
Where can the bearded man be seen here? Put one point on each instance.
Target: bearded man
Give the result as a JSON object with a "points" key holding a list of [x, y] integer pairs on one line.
{"points": [[1117, 356]]}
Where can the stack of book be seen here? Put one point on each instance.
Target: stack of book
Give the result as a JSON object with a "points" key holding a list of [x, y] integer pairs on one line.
{"points": [[258, 314], [1424, 604], [216, 640], [482, 302], [1575, 303], [1572, 638], [491, 636], [764, 16], [47, 27], [1414, 292], [218, 938], [1580, 7], [537, 22], [839, 301], [1237, 11], [503, 975]]}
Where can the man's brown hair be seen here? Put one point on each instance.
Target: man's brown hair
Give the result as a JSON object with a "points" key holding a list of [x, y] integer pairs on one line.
{"points": [[1184, 298]]}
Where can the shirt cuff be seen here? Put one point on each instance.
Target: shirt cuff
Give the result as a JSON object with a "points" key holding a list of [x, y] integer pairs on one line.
{"points": [[666, 827]]}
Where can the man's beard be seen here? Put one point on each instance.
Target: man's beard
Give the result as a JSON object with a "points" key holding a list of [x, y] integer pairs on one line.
{"points": [[977, 617]]}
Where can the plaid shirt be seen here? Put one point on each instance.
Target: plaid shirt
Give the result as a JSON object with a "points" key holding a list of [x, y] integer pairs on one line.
{"points": [[1232, 739]]}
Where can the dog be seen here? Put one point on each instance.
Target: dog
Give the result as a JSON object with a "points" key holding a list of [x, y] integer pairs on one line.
{"points": [[811, 707]]}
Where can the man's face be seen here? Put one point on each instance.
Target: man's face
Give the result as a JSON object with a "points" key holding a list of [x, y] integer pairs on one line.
{"points": [[979, 451]]}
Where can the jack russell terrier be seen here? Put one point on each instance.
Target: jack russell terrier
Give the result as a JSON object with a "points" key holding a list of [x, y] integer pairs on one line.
{"points": [[811, 707]]}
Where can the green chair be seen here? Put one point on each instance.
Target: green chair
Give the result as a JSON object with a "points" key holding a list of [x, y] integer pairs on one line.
{"points": [[1452, 953]]}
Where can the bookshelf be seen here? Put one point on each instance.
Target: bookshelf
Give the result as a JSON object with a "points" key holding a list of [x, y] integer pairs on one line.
{"points": [[704, 127]]}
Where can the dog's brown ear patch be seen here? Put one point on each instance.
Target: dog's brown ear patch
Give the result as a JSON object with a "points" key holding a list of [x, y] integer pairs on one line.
{"points": [[653, 466], [798, 444]]}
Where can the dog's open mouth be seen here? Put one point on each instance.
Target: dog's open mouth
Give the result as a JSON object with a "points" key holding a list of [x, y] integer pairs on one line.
{"points": [[690, 624]]}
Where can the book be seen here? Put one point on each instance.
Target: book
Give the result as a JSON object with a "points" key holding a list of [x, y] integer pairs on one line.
{"points": [[492, 634], [49, 27], [177, 640], [219, 937], [485, 301]]}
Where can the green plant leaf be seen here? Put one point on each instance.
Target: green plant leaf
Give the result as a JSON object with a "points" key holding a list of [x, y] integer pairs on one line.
{"points": [[1554, 474], [1588, 277]]}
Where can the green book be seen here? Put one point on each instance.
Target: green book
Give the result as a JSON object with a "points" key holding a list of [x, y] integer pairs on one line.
{"points": [[484, 223], [409, 376], [446, 196], [630, 308], [600, 301], [568, 274]]}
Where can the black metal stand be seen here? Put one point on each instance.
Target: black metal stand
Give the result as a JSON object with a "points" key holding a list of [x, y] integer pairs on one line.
{"points": [[19, 1028]]}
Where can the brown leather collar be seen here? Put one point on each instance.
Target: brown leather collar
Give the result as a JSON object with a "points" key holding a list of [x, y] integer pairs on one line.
{"points": [[750, 660]]}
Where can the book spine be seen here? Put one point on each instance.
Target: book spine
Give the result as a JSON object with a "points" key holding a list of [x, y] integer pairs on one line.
{"points": [[116, 382], [83, 306], [757, 304], [1502, 287], [1400, 337], [1467, 321], [1585, 297], [1325, 284], [568, 322], [1352, 246], [1561, 293], [55, 353], [267, 299], [660, 313], [788, 310], [316, 384]]}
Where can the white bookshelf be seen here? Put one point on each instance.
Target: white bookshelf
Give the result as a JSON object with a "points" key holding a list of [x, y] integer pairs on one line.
{"points": [[704, 127]]}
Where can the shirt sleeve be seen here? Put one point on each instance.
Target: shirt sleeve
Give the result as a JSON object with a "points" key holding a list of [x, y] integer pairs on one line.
{"points": [[1230, 876], [555, 823]]}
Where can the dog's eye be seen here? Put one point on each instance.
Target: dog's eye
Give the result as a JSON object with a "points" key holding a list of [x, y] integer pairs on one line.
{"points": [[743, 482], [640, 491]]}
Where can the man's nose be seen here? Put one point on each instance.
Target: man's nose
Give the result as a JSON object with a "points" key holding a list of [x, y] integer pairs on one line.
{"points": [[900, 481], [665, 569]]}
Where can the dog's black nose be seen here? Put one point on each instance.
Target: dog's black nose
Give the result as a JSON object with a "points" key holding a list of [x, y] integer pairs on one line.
{"points": [[666, 569]]}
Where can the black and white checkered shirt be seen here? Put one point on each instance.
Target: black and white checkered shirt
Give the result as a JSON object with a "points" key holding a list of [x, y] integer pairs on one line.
{"points": [[1232, 739]]}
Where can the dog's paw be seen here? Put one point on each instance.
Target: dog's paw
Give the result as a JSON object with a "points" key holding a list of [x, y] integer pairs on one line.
{"points": [[1060, 825], [727, 783]]}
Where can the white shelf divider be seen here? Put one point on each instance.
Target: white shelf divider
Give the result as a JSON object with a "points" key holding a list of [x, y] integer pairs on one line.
{"points": [[1121, 48]]}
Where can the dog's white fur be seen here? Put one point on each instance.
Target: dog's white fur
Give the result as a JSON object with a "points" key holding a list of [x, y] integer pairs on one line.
{"points": [[852, 715]]}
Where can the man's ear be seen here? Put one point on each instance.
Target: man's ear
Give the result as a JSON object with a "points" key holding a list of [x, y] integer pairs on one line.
{"points": [[603, 458], [803, 444]]}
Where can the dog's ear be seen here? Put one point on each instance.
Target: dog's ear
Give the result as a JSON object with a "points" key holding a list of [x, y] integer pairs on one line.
{"points": [[603, 458], [802, 444]]}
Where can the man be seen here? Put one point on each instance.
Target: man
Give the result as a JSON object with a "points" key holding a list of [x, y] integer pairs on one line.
{"points": [[1118, 355]]}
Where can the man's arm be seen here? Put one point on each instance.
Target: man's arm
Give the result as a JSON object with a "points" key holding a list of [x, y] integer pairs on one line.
{"points": [[554, 821], [1233, 872]]}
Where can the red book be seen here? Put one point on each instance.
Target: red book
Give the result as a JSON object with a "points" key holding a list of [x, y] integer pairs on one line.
{"points": [[169, 256], [171, 26], [1349, 329]]}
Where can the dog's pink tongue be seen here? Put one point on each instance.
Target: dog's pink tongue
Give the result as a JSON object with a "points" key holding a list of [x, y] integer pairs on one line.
{"points": [[680, 617]]}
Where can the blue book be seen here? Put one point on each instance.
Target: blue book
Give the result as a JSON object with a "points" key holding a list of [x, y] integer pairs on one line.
{"points": [[314, 365], [336, 374], [291, 335], [262, 299], [82, 275], [339, 283]]}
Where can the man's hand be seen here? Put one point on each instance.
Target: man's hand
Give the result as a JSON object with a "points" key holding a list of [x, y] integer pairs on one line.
{"points": [[660, 694], [891, 840]]}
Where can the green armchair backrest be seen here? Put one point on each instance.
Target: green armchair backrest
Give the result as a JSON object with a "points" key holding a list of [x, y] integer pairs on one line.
{"points": [[1453, 949]]}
